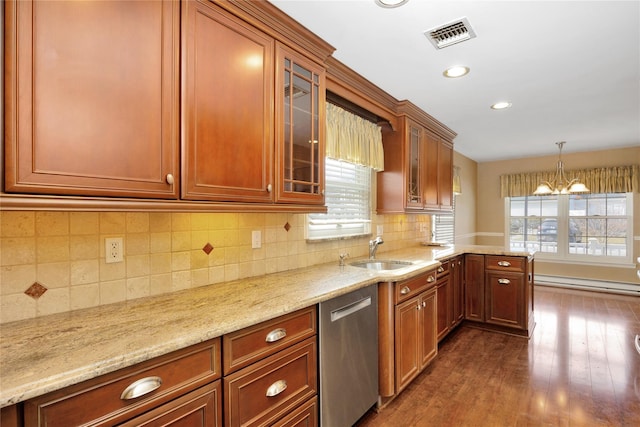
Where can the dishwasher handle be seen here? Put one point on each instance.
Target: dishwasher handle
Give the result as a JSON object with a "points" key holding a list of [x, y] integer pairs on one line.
{"points": [[350, 309]]}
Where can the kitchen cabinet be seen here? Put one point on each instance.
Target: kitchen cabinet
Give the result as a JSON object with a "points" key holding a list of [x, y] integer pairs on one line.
{"points": [[300, 112], [450, 295], [166, 390], [91, 98], [500, 293], [163, 100], [228, 120], [407, 331], [418, 173], [270, 372], [236, 148]]}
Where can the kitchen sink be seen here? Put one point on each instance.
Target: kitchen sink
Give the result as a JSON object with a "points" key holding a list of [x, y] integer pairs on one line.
{"points": [[375, 264]]}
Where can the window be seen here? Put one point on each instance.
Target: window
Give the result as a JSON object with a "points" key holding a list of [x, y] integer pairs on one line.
{"points": [[587, 227], [348, 199], [443, 226]]}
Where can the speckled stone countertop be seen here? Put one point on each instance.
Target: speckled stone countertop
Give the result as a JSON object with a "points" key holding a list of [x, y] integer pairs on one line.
{"points": [[45, 354]]}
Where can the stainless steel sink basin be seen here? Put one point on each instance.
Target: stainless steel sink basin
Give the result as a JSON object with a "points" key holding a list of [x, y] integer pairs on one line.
{"points": [[378, 264]]}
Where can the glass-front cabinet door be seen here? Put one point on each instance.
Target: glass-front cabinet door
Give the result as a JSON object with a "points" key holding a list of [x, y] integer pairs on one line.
{"points": [[300, 120], [415, 198]]}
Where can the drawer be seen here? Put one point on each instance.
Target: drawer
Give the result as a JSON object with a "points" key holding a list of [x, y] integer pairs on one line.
{"points": [[412, 287], [98, 401], [505, 263], [243, 347], [305, 415], [264, 392], [443, 270]]}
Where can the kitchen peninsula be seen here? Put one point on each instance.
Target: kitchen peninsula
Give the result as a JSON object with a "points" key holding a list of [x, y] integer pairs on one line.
{"points": [[49, 353]]}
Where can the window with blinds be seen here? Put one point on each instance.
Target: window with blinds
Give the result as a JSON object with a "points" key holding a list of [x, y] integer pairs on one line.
{"points": [[348, 199], [444, 226]]}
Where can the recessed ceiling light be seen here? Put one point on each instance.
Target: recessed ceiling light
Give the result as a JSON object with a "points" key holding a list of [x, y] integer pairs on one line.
{"points": [[390, 3], [456, 71], [501, 105]]}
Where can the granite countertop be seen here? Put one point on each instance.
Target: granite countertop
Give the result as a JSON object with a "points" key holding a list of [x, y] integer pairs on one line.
{"points": [[47, 353]]}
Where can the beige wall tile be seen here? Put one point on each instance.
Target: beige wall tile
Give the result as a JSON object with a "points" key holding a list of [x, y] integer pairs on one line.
{"points": [[159, 284], [16, 307], [180, 280], [160, 242], [159, 222], [137, 222], [137, 266], [53, 301], [113, 223], [83, 247], [54, 274], [84, 296], [113, 291], [160, 263], [52, 223], [17, 224], [52, 248], [17, 250], [138, 287], [84, 272], [15, 279], [136, 244], [84, 223]]}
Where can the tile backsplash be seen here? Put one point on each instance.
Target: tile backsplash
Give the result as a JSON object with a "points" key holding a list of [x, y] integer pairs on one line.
{"points": [[53, 262]]}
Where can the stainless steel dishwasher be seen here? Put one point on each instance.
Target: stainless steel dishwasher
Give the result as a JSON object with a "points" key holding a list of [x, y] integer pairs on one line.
{"points": [[348, 346]]}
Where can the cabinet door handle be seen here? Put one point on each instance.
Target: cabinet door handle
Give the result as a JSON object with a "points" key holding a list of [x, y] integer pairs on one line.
{"points": [[170, 179], [504, 281], [430, 279], [424, 303], [276, 388], [405, 290], [419, 307], [141, 387], [504, 263], [275, 335], [269, 188], [440, 269]]}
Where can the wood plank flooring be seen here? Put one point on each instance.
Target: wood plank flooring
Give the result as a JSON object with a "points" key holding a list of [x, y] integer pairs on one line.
{"points": [[580, 368]]}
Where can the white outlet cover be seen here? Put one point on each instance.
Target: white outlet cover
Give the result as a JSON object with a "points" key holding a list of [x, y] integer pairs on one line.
{"points": [[113, 249], [256, 239]]}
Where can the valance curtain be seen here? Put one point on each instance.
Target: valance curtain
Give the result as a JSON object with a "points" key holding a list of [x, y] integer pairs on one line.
{"points": [[615, 179], [353, 139]]}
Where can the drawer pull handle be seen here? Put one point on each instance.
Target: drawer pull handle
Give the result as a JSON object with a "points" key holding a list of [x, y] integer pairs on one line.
{"points": [[440, 269], [141, 387], [504, 281], [430, 279], [504, 263], [276, 388], [405, 290], [276, 334]]}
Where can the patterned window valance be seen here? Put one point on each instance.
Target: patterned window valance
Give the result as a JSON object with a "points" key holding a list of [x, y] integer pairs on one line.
{"points": [[353, 139], [615, 179]]}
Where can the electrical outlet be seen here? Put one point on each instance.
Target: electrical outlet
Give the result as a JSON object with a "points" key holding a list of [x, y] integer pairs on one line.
{"points": [[256, 239], [380, 230], [113, 249]]}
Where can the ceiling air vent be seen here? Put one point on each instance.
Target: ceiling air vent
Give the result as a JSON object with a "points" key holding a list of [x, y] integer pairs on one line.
{"points": [[448, 34]]}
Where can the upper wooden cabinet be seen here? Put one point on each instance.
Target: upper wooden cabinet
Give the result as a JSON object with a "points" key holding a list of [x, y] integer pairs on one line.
{"points": [[300, 107], [91, 98], [197, 101], [418, 165], [227, 107]]}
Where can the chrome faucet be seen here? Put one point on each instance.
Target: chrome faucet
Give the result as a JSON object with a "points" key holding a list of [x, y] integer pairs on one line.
{"points": [[373, 246]]}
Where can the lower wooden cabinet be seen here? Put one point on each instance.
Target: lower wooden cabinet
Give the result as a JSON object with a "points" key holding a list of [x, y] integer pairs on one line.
{"points": [[270, 372], [181, 383], [407, 331], [499, 292]]}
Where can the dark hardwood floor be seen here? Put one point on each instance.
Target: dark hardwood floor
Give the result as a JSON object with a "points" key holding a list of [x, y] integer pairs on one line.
{"points": [[580, 368]]}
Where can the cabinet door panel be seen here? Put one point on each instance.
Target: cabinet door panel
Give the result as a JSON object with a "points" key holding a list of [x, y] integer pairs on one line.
{"points": [[92, 98], [227, 107], [474, 287], [445, 176], [505, 298], [444, 301], [300, 107], [428, 335], [407, 350]]}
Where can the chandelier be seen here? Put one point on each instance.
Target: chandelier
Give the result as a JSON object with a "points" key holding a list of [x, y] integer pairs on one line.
{"points": [[560, 184]]}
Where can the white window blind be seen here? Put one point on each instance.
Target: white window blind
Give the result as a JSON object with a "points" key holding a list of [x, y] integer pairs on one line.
{"points": [[348, 200], [444, 226]]}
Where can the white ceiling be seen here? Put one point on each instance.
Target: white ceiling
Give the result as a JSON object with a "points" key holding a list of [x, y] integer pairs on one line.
{"points": [[571, 69]]}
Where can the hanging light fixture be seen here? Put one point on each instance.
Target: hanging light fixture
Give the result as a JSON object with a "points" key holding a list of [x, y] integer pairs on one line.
{"points": [[560, 184]]}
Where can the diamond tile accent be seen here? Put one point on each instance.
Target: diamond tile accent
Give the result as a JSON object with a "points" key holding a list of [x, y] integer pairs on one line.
{"points": [[36, 290], [207, 248], [287, 226]]}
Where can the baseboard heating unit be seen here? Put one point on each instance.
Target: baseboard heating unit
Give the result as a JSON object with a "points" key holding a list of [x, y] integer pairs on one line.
{"points": [[588, 284]]}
